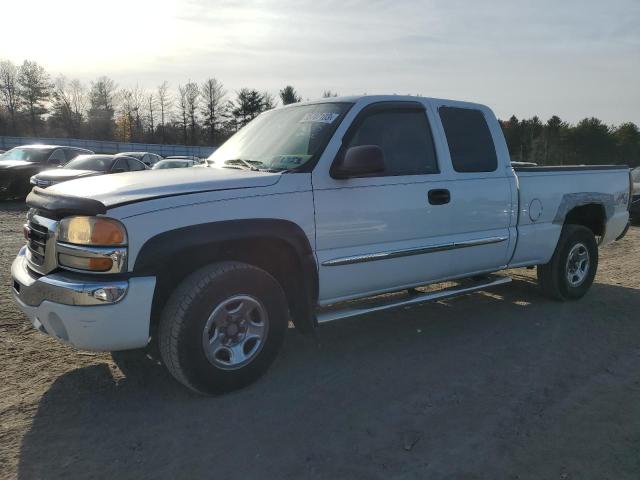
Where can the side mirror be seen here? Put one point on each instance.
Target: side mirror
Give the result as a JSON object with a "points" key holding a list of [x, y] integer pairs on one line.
{"points": [[118, 170], [360, 161]]}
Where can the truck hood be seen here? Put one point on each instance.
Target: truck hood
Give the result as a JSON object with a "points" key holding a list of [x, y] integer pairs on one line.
{"points": [[112, 190]]}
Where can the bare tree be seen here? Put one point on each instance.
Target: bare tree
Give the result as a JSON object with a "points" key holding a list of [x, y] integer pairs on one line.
{"points": [[102, 97], [151, 102], [79, 99], [9, 90], [183, 112], [69, 104], [165, 103], [192, 98], [213, 94], [268, 101], [35, 91], [329, 93]]}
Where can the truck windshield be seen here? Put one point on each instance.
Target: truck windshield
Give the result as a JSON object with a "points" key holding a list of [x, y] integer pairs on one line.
{"points": [[282, 139]]}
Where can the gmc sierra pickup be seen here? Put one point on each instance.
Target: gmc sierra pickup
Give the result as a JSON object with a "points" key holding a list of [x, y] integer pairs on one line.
{"points": [[312, 212]]}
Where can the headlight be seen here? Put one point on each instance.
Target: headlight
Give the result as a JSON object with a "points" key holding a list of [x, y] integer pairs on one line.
{"points": [[94, 244], [32, 180], [99, 231]]}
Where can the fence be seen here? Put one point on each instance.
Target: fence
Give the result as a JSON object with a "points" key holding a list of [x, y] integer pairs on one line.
{"points": [[99, 146]]}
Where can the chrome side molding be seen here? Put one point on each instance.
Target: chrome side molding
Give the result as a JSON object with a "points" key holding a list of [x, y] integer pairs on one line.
{"points": [[412, 251]]}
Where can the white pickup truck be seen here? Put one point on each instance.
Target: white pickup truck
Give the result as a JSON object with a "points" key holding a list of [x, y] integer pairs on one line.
{"points": [[313, 212]]}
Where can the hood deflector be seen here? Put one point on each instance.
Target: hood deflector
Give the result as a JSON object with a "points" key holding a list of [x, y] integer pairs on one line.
{"points": [[61, 205]]}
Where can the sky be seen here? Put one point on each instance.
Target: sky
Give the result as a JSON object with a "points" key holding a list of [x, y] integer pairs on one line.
{"points": [[571, 58]]}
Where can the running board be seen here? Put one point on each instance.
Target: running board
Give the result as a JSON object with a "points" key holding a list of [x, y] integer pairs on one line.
{"points": [[349, 311]]}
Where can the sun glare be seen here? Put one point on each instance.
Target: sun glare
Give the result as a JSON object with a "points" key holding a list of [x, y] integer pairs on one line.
{"points": [[79, 35]]}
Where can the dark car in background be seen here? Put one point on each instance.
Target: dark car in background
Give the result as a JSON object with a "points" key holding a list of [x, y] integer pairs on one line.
{"points": [[88, 166], [174, 163], [148, 158], [20, 163]]}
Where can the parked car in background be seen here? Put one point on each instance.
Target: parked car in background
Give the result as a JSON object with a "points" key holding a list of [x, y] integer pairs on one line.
{"points": [[634, 208], [20, 163], [174, 163], [87, 166], [193, 158], [149, 159]]}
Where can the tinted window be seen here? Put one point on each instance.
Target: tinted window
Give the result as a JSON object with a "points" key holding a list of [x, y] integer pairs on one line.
{"points": [[405, 139], [91, 162], [57, 157], [71, 153], [134, 165], [469, 139], [121, 163]]}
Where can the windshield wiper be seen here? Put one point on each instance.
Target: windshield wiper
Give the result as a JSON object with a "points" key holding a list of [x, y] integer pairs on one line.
{"points": [[242, 163]]}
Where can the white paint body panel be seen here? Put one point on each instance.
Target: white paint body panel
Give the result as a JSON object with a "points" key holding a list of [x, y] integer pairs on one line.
{"points": [[537, 239], [344, 218]]}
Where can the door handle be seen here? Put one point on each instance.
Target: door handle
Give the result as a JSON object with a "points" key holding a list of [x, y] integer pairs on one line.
{"points": [[439, 196]]}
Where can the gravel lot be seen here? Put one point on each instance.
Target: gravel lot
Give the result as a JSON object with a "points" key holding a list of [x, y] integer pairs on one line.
{"points": [[495, 385]]}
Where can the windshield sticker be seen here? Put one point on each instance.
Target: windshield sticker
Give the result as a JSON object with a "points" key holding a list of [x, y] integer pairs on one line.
{"points": [[319, 117]]}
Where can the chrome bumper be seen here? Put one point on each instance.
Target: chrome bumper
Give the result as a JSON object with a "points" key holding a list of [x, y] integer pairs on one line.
{"points": [[32, 289]]}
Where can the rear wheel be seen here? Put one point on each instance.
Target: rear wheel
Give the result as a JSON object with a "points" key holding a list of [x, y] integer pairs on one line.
{"points": [[570, 272], [222, 327]]}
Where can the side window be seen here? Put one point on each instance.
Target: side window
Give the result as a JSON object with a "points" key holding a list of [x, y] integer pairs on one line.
{"points": [[405, 138], [121, 164], [57, 157], [469, 139], [135, 165]]}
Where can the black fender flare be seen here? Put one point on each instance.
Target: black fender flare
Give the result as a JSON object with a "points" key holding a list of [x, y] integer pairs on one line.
{"points": [[173, 244]]}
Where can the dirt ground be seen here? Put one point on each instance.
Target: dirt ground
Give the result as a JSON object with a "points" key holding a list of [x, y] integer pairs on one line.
{"points": [[502, 384]]}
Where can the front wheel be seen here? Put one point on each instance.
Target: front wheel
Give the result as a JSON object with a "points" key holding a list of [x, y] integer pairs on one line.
{"points": [[222, 327], [570, 272]]}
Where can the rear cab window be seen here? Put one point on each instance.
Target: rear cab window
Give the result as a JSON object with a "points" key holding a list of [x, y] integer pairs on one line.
{"points": [[469, 139]]}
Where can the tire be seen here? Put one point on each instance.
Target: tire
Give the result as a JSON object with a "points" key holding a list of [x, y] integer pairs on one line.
{"points": [[565, 278], [238, 312]]}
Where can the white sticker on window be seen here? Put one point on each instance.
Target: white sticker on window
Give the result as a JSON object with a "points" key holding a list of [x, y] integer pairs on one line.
{"points": [[320, 117]]}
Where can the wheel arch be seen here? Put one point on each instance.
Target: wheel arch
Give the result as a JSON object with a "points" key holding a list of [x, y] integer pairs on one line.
{"points": [[591, 215], [277, 246], [589, 209]]}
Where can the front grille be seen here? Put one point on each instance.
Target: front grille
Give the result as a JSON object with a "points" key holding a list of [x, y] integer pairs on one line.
{"points": [[43, 183], [38, 235]]}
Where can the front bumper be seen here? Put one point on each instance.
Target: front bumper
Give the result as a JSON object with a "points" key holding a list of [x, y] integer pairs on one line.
{"points": [[99, 314]]}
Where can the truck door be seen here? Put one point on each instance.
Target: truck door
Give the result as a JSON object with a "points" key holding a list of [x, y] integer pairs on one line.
{"points": [[481, 185], [383, 231], [417, 222]]}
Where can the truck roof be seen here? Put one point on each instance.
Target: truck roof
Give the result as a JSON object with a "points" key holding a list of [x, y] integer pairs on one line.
{"points": [[387, 98]]}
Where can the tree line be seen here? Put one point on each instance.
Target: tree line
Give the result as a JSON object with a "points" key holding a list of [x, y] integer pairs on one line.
{"points": [[32, 102], [556, 142]]}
